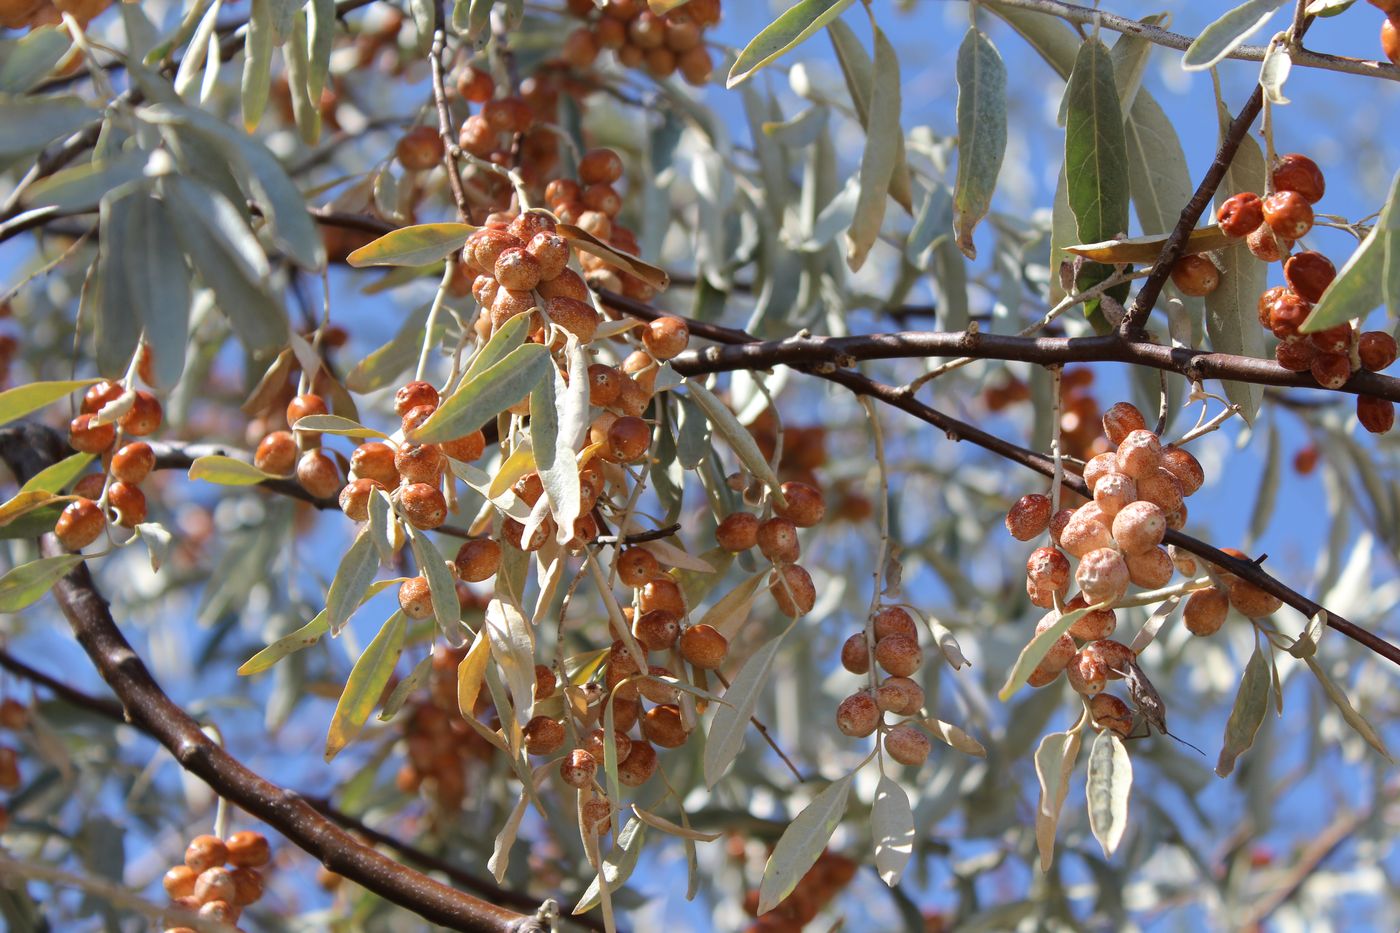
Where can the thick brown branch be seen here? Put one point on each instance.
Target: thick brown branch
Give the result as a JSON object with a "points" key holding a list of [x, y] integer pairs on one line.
{"points": [[113, 711], [29, 450], [1048, 351], [957, 430]]}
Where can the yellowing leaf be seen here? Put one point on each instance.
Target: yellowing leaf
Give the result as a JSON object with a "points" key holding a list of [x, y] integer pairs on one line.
{"points": [[227, 471], [418, 245], [582, 239], [21, 400], [367, 679], [25, 584], [1146, 249]]}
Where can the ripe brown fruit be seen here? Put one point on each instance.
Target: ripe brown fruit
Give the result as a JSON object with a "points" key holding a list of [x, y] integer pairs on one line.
{"points": [[1087, 530], [204, 853], [1205, 611], [577, 768], [662, 725], [666, 337], [806, 506], [1140, 454], [1251, 601], [419, 149], [1286, 315], [1092, 625], [423, 505], [79, 524], [1296, 172], [277, 453], [133, 462], [627, 440], [1115, 491], [1265, 305], [247, 886], [1241, 214], [355, 496], [635, 566], [858, 715], [1111, 713], [214, 884], [318, 474], [466, 448], [304, 405], [374, 460], [1295, 355], [1102, 575], [144, 416], [543, 736], [1185, 467], [892, 620], [1309, 273], [900, 695], [1331, 370], [1150, 569], [777, 541], [1195, 275], [475, 85], [855, 657], [737, 532], [1028, 517], [89, 438], [179, 881], [657, 630], [1376, 415], [907, 745], [899, 655], [639, 766], [1288, 214], [248, 849], [1266, 245], [599, 167], [416, 598], [1139, 527], [704, 647], [1048, 568], [792, 588], [414, 395], [1377, 350], [1120, 420], [100, 394], [128, 502]]}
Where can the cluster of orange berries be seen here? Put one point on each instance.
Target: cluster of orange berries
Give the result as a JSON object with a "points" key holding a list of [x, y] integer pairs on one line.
{"points": [[830, 874], [663, 44], [441, 747], [1271, 225], [776, 539], [896, 650], [14, 716], [109, 407], [203, 884]]}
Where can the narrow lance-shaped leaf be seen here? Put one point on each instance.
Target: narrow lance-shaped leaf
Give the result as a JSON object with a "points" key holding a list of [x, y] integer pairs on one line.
{"points": [[1368, 277], [25, 584], [352, 578], [877, 163], [418, 245], [1251, 702], [792, 28], [158, 284], [892, 826], [802, 843], [21, 400], [1096, 159], [257, 62], [981, 133], [442, 589], [405, 688], [727, 731], [227, 471], [367, 679], [1228, 33], [1054, 762], [1036, 649], [738, 436], [486, 395], [1349, 713], [1109, 783]]}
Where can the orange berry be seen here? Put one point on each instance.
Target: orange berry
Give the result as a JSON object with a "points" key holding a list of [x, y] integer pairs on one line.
{"points": [[777, 541], [1241, 214], [1102, 575], [144, 416], [1288, 214], [79, 524], [703, 646], [1205, 611], [374, 460], [1376, 415], [89, 438], [662, 725], [1195, 275], [792, 588], [128, 502], [423, 505], [205, 852], [1029, 517], [858, 715], [907, 745], [478, 559], [1298, 173]]}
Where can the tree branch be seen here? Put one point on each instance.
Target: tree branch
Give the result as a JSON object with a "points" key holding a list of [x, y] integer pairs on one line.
{"points": [[31, 448], [688, 365], [113, 711], [1135, 321], [1087, 16]]}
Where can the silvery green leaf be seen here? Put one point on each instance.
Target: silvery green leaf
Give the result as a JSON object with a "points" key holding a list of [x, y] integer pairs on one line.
{"points": [[1228, 33], [1251, 702], [27, 59], [802, 843], [1054, 762], [158, 285], [366, 684], [797, 24], [892, 826], [257, 60], [731, 722], [1274, 71], [1108, 786], [31, 123], [981, 115], [883, 147]]}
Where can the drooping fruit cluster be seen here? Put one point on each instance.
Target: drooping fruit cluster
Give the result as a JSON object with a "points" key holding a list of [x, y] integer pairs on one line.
{"points": [[776, 539], [14, 717], [891, 641], [1139, 491], [110, 413], [220, 877], [1271, 225], [663, 44], [442, 750], [827, 878]]}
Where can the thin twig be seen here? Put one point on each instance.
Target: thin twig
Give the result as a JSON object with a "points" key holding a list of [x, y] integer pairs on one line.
{"points": [[450, 149], [763, 731]]}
